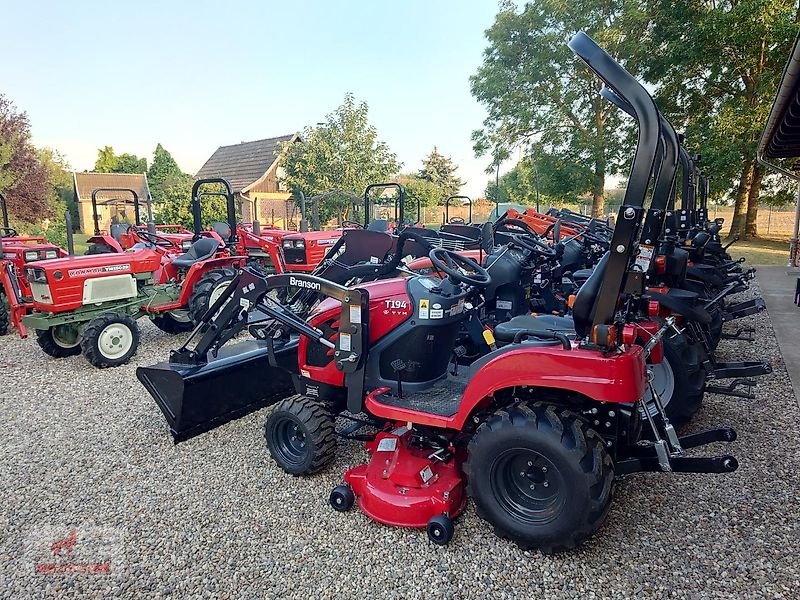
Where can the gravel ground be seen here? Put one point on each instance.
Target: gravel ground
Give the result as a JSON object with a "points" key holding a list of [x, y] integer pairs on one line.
{"points": [[213, 517]]}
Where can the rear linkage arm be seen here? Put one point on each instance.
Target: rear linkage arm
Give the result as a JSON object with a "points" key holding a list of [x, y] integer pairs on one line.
{"points": [[228, 316]]}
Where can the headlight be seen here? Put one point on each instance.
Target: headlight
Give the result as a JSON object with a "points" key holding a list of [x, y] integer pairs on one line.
{"points": [[31, 255], [186, 244], [35, 275], [288, 244], [300, 244], [48, 254]]}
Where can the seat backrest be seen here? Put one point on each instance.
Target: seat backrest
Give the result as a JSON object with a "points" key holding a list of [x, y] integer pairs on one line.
{"points": [[378, 225], [223, 230], [583, 308], [201, 249]]}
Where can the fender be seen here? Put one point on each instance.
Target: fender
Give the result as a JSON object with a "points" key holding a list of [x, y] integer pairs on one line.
{"points": [[617, 378]]}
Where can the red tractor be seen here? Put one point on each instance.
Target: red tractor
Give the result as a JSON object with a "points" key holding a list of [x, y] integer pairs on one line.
{"points": [[16, 252], [90, 303], [534, 432]]}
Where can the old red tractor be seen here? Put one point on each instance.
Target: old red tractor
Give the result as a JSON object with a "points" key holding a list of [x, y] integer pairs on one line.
{"points": [[90, 303]]}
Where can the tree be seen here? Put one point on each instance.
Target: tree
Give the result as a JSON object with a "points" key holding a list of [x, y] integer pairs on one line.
{"points": [[440, 171], [23, 179], [343, 154], [533, 88], [717, 79], [61, 197], [109, 162], [162, 167], [419, 192]]}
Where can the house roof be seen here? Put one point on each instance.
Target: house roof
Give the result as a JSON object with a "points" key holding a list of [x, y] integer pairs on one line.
{"points": [[781, 137], [86, 183], [245, 163]]}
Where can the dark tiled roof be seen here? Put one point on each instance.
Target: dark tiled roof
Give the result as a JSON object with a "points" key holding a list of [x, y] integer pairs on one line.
{"points": [[86, 183], [242, 164]]}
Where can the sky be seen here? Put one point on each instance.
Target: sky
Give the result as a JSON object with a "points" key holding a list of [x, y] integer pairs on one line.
{"points": [[195, 75]]}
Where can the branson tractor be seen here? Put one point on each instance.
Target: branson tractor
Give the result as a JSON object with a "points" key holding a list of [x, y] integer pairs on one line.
{"points": [[90, 303], [534, 432]]}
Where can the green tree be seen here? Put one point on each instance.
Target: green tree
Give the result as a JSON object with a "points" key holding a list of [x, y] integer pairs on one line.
{"points": [[418, 192], [61, 197], [162, 167], [533, 88], [343, 154], [717, 65], [109, 162], [440, 171]]}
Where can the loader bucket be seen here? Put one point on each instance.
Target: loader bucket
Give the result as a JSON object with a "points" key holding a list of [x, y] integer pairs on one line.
{"points": [[240, 380]]}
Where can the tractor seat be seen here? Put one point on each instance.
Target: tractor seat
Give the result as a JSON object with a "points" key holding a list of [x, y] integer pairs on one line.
{"points": [[223, 230], [202, 249], [378, 225], [505, 332], [581, 275], [705, 273], [683, 302]]}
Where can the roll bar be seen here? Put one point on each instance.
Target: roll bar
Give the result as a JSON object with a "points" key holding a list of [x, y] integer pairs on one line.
{"points": [[133, 193], [399, 215], [628, 226], [447, 207], [4, 210], [230, 205]]}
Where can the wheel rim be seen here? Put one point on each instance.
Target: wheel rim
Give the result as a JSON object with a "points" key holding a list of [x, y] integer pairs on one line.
{"points": [[217, 292], [65, 336], [115, 340], [528, 486], [290, 441], [663, 383]]}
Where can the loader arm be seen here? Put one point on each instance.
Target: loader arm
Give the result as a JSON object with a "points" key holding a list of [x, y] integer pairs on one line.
{"points": [[228, 316]]}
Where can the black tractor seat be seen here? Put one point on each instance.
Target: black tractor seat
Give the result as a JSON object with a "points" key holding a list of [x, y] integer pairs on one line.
{"points": [[705, 273], [683, 302], [506, 332], [202, 249]]}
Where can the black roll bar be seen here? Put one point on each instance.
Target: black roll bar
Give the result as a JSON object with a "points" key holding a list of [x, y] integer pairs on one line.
{"points": [[230, 206], [137, 219]]}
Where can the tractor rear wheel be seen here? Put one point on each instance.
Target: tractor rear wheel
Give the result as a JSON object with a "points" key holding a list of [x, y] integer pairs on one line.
{"points": [[168, 323], [206, 291], [679, 380], [110, 340], [301, 435], [4, 320], [540, 476], [60, 341]]}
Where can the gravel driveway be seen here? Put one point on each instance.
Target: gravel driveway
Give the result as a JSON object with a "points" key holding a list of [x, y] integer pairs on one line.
{"points": [[213, 517]]}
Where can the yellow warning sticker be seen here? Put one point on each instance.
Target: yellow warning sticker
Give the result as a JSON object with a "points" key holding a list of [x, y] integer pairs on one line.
{"points": [[423, 309]]}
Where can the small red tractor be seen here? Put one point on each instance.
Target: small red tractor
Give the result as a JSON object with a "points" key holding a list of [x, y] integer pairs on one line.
{"points": [[534, 431], [18, 251], [90, 303]]}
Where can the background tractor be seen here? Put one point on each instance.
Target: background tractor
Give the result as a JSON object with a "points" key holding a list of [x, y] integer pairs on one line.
{"points": [[90, 303]]}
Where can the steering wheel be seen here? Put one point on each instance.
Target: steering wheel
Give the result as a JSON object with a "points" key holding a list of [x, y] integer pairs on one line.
{"points": [[352, 224], [454, 264], [153, 238], [456, 221], [8, 232], [534, 244]]}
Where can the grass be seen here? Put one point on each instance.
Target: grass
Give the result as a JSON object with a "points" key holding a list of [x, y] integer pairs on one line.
{"points": [[80, 242], [762, 251]]}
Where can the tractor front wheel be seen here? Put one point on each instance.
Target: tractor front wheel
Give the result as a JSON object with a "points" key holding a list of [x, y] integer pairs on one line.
{"points": [[540, 476], [110, 340], [206, 291], [301, 435], [60, 341]]}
